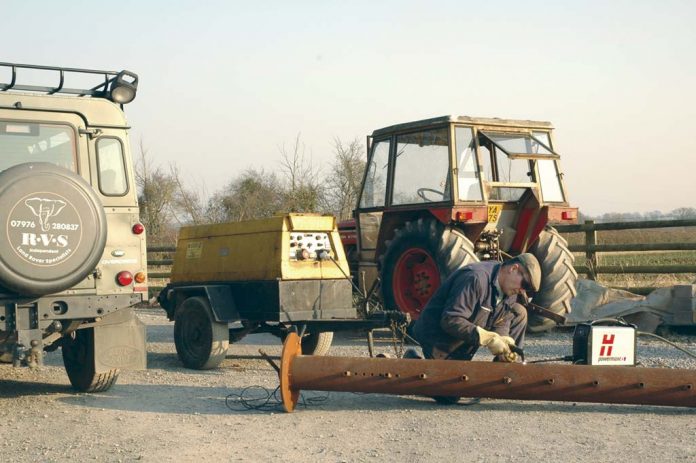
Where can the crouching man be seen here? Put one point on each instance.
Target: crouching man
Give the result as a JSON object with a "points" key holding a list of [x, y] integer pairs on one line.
{"points": [[476, 306]]}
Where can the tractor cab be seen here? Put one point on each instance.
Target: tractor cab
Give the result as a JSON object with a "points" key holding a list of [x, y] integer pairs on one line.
{"points": [[440, 193]]}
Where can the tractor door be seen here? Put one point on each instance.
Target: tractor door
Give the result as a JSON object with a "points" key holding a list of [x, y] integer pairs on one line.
{"points": [[373, 199]]}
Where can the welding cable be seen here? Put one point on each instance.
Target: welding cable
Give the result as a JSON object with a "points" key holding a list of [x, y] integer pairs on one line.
{"points": [[567, 358], [406, 335], [687, 352], [262, 399], [347, 277], [256, 398]]}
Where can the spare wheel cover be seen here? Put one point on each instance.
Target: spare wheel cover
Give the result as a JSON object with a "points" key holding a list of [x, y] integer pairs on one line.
{"points": [[53, 229]]}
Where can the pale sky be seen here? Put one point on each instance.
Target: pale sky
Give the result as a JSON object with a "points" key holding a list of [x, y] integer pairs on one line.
{"points": [[224, 84]]}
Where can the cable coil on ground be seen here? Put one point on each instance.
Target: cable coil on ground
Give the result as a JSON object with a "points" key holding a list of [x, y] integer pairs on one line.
{"points": [[262, 399]]}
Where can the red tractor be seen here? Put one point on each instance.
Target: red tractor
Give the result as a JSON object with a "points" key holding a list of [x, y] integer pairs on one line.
{"points": [[441, 193]]}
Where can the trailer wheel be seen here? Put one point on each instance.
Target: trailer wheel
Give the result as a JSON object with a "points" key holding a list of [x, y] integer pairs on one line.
{"points": [[558, 277], [317, 344], [419, 257], [201, 342], [78, 358]]}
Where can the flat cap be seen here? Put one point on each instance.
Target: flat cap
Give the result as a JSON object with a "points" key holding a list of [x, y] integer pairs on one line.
{"points": [[531, 265]]}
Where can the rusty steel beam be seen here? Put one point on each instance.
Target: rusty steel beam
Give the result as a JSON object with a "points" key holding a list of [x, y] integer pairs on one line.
{"points": [[567, 383]]}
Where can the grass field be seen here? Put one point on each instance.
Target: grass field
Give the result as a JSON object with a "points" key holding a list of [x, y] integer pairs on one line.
{"points": [[629, 259]]}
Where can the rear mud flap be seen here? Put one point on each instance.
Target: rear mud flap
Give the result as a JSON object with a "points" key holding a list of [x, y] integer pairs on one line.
{"points": [[120, 342]]}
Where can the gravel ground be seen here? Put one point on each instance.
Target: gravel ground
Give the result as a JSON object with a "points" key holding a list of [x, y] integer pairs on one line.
{"points": [[168, 413]]}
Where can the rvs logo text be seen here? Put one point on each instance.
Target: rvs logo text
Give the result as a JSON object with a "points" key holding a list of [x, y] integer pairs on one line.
{"points": [[32, 239]]}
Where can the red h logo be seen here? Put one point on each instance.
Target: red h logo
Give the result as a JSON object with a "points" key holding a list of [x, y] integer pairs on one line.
{"points": [[607, 345]]}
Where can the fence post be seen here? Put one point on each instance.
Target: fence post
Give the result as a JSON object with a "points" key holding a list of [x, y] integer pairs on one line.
{"points": [[590, 254]]}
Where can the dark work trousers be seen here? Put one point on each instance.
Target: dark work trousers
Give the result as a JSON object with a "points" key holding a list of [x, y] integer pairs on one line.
{"points": [[518, 325]]}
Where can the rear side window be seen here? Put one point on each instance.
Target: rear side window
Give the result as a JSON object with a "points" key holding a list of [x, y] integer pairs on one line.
{"points": [[22, 142], [467, 172], [375, 188], [112, 167]]}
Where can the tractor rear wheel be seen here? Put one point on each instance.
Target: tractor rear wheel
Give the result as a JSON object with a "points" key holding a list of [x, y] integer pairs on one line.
{"points": [[558, 277], [417, 260]]}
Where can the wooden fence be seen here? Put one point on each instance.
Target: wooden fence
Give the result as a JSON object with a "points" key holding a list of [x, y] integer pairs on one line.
{"points": [[591, 267]]}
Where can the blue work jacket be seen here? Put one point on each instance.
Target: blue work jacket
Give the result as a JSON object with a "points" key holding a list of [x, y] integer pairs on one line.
{"points": [[466, 299]]}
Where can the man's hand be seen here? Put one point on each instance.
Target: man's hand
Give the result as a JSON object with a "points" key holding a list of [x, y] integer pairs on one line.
{"points": [[497, 344]]}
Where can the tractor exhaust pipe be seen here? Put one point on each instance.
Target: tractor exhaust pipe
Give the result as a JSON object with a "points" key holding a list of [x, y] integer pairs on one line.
{"points": [[565, 383]]}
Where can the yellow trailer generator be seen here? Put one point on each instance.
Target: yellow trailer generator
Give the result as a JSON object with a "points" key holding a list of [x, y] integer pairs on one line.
{"points": [[269, 274]]}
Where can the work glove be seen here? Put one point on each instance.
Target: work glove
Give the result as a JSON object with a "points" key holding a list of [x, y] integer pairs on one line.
{"points": [[497, 344]]}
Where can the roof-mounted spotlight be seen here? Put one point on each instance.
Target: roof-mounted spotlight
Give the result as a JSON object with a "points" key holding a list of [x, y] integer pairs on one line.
{"points": [[123, 87]]}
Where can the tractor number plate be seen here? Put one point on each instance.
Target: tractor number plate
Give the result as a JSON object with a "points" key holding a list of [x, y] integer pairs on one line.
{"points": [[494, 212]]}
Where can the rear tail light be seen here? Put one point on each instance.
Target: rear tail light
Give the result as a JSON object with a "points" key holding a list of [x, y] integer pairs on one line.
{"points": [[569, 215], [463, 216], [124, 278], [138, 228], [140, 277]]}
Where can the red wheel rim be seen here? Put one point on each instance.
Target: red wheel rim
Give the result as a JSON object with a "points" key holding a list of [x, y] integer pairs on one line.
{"points": [[415, 280]]}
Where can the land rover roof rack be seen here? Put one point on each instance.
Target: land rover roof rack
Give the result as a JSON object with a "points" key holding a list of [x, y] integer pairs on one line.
{"points": [[119, 87]]}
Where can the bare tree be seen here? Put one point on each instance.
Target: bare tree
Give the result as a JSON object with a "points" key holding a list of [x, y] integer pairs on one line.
{"points": [[684, 213], [254, 194], [346, 176], [303, 188], [155, 195], [187, 204]]}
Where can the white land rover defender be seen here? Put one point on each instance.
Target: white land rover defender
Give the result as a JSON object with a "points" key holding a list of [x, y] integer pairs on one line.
{"points": [[72, 249]]}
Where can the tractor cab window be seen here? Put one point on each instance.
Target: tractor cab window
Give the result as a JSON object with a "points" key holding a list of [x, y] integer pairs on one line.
{"points": [[375, 187], [22, 142], [519, 145], [548, 174], [506, 164], [421, 170]]}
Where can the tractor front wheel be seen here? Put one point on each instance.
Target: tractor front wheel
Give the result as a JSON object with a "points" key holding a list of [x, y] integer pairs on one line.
{"points": [[417, 260]]}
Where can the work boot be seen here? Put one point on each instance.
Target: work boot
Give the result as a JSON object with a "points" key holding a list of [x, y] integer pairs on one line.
{"points": [[446, 400], [412, 353]]}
